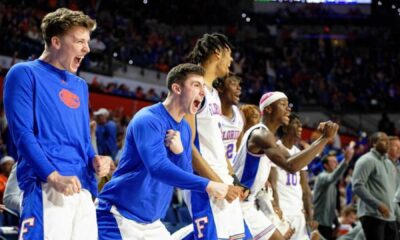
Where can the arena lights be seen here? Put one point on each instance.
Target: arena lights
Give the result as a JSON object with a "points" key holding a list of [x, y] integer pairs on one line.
{"points": [[145, 1], [248, 19], [379, 3], [130, 62], [244, 15], [393, 6], [115, 54]]}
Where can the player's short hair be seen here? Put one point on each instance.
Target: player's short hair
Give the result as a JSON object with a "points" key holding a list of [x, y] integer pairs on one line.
{"points": [[179, 73], [220, 82], [57, 23], [207, 45]]}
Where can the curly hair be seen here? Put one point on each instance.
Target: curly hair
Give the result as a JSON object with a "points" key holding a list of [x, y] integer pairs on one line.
{"points": [[207, 45]]}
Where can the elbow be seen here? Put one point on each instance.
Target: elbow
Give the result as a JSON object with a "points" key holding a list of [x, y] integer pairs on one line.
{"points": [[292, 168]]}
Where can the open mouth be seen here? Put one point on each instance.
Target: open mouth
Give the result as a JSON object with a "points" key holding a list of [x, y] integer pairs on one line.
{"points": [[78, 60], [196, 103]]}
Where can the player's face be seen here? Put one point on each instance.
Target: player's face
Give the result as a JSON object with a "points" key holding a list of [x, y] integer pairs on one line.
{"points": [[282, 111], [224, 62], [295, 128], [193, 93], [232, 91], [72, 47]]}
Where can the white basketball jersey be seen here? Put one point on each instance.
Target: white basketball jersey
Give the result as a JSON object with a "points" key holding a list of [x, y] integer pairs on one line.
{"points": [[231, 129], [289, 188], [209, 135], [252, 169]]}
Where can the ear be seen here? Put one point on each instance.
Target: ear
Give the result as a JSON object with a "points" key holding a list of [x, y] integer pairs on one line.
{"points": [[55, 42], [268, 109], [176, 88], [218, 54]]}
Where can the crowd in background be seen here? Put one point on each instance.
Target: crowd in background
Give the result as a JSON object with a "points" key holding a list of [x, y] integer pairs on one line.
{"points": [[342, 68]]}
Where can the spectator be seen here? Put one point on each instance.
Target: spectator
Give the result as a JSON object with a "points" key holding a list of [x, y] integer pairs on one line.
{"points": [[106, 133], [325, 192], [374, 180], [6, 164]]}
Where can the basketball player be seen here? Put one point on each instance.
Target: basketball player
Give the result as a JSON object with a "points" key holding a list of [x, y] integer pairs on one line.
{"points": [[293, 192], [156, 157], [221, 219], [229, 91], [259, 148], [48, 115]]}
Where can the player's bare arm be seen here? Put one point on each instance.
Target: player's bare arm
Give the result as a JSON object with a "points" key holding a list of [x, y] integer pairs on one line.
{"points": [[199, 164]]}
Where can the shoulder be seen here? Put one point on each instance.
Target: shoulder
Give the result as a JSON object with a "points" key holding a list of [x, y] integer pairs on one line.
{"points": [[148, 116], [21, 68], [365, 163], [262, 137]]}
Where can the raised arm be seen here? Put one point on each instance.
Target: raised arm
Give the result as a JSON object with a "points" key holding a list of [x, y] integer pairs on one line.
{"points": [[264, 141]]}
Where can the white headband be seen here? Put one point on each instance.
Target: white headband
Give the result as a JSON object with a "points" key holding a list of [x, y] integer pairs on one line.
{"points": [[269, 98]]}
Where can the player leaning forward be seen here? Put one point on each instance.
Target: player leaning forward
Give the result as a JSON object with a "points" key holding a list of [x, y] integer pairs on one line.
{"points": [[46, 106], [259, 148], [156, 157]]}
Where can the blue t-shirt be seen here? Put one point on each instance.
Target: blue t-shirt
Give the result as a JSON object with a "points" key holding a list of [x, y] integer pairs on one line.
{"points": [[141, 187], [48, 117]]}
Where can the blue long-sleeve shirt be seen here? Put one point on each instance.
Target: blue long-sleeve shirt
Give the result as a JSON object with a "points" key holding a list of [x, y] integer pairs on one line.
{"points": [[141, 187], [48, 117]]}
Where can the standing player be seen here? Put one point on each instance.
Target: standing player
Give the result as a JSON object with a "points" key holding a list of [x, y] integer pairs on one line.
{"points": [[293, 192], [48, 115], [259, 148], [156, 157], [229, 91], [213, 219]]}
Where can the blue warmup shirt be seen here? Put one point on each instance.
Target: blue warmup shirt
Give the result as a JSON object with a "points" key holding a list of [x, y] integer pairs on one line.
{"points": [[48, 116], [141, 187]]}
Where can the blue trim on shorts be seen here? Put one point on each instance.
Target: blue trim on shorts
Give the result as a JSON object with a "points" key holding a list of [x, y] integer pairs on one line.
{"points": [[247, 233], [250, 170], [107, 225], [32, 212]]}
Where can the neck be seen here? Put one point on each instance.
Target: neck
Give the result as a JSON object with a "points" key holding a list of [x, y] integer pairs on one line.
{"points": [[227, 109], [48, 57], [272, 126], [288, 141], [210, 74], [174, 108]]}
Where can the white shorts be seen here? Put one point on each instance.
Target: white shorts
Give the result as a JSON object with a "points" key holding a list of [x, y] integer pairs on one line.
{"points": [[298, 222], [113, 226], [48, 214], [259, 224], [215, 219]]}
